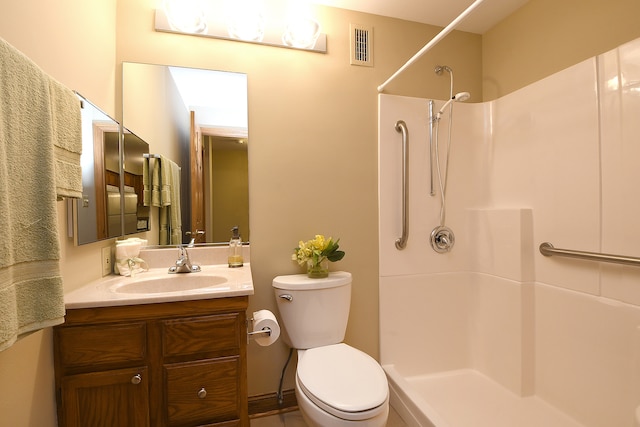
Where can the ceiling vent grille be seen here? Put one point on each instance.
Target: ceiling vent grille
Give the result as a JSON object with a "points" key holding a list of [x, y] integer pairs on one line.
{"points": [[361, 45]]}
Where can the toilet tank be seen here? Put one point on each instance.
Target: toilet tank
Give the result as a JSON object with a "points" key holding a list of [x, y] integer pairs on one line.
{"points": [[314, 312]]}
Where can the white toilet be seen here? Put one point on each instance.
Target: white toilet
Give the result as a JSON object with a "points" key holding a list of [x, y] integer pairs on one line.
{"points": [[336, 385]]}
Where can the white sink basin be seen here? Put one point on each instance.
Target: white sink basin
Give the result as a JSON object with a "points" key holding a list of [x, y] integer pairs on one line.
{"points": [[170, 283], [157, 285]]}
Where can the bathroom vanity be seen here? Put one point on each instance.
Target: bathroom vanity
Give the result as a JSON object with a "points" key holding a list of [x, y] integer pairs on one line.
{"points": [[169, 364], [161, 359]]}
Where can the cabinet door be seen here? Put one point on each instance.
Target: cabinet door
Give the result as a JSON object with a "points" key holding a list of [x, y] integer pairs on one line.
{"points": [[107, 399]]}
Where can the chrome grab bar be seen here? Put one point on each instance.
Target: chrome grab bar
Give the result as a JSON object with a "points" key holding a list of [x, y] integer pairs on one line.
{"points": [[547, 249], [401, 127]]}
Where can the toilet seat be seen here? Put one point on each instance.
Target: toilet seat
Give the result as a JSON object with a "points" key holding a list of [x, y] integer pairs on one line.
{"points": [[343, 381]]}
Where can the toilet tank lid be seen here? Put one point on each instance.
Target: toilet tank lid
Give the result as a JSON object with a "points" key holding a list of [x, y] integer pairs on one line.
{"points": [[303, 282]]}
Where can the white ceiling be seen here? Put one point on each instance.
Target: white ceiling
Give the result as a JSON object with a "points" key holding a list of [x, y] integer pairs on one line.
{"points": [[434, 12]]}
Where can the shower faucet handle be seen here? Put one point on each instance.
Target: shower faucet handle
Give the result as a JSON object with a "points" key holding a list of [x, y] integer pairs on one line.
{"points": [[442, 239]]}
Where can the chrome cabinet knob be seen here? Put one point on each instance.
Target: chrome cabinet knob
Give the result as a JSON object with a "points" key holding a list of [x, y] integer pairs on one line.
{"points": [[202, 393], [136, 379]]}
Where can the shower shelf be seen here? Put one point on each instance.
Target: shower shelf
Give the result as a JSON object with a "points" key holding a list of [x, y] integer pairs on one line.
{"points": [[547, 249]]}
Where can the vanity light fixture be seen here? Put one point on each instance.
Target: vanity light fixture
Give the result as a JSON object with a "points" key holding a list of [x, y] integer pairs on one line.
{"points": [[302, 30], [245, 20], [278, 23], [185, 16]]}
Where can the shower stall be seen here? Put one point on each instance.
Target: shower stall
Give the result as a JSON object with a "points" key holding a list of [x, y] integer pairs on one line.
{"points": [[492, 332]]}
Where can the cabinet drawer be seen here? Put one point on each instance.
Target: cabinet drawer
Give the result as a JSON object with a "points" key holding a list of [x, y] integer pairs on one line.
{"points": [[201, 334], [95, 345], [203, 392]]}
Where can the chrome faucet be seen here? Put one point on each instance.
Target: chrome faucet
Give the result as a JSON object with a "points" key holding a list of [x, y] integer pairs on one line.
{"points": [[194, 235], [183, 263]]}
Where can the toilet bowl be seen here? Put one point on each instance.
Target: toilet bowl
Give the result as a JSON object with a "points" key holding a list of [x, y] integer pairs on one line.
{"points": [[336, 384]]}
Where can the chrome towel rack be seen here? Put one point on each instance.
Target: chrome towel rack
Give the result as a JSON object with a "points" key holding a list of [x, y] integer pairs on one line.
{"points": [[547, 249], [401, 127]]}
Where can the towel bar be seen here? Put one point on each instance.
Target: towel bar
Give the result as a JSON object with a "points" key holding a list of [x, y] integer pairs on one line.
{"points": [[547, 249]]}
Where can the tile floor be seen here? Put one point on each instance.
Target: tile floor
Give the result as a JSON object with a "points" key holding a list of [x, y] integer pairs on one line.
{"points": [[294, 419]]}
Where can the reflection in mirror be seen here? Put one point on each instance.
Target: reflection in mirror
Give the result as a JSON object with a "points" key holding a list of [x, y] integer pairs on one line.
{"points": [[198, 119], [136, 215], [98, 215], [226, 184]]}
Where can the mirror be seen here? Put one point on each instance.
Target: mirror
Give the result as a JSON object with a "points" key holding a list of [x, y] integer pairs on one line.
{"points": [[198, 119], [98, 214]]}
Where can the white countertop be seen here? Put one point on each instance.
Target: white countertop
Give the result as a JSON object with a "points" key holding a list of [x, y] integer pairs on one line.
{"points": [[108, 291]]}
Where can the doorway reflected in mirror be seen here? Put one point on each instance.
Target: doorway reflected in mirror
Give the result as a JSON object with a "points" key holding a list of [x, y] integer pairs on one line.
{"points": [[197, 118]]}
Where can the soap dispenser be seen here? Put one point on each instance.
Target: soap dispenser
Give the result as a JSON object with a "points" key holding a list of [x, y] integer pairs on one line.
{"points": [[235, 249]]}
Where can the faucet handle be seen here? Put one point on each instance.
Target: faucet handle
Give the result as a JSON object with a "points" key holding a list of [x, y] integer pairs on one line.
{"points": [[183, 263]]}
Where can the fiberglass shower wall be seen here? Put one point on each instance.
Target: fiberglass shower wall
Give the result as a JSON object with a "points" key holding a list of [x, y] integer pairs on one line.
{"points": [[463, 188], [556, 161]]}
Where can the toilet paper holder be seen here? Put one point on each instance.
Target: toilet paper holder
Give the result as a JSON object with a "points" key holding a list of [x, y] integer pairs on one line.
{"points": [[262, 332], [264, 328]]}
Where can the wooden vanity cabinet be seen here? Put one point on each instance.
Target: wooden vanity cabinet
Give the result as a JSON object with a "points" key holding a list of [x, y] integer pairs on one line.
{"points": [[175, 364]]}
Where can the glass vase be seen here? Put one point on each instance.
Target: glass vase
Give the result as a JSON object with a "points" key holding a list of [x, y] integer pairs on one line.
{"points": [[319, 270]]}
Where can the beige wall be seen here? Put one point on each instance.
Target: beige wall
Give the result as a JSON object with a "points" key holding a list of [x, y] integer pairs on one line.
{"points": [[313, 155], [546, 36], [313, 144]]}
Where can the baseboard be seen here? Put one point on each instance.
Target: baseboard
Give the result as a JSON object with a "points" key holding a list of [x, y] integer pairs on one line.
{"points": [[267, 404]]}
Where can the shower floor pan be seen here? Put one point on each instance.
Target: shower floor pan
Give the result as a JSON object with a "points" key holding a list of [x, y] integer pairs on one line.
{"points": [[467, 398]]}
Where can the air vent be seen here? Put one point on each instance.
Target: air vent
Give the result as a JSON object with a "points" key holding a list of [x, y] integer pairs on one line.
{"points": [[361, 45]]}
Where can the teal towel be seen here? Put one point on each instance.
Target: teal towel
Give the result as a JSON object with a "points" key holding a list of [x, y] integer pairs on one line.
{"points": [[166, 181], [67, 140], [31, 292], [146, 183], [156, 184], [165, 194], [176, 217]]}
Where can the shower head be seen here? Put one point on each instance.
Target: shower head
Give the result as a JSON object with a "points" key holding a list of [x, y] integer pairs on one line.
{"points": [[458, 97], [462, 96]]}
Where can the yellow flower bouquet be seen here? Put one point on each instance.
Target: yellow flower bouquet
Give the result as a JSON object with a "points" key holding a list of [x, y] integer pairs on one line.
{"points": [[316, 254]]}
